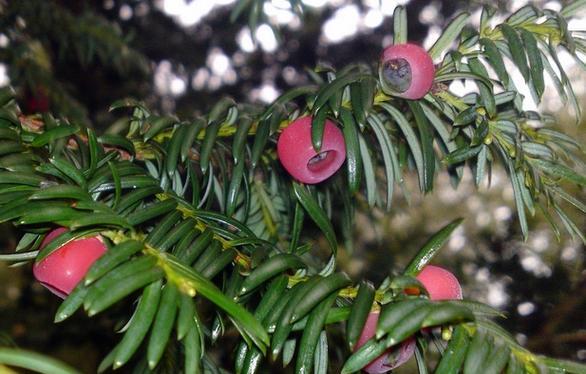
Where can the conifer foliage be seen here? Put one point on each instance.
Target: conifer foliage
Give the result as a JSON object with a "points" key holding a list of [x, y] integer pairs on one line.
{"points": [[206, 229]]}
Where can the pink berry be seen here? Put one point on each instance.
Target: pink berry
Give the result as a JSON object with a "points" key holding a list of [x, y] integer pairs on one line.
{"points": [[62, 270], [407, 70], [298, 157], [393, 357], [440, 283]]}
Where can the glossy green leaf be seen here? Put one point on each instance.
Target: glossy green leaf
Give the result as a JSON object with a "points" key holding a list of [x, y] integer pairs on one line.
{"points": [[155, 210], [426, 175], [180, 231], [71, 304], [139, 325], [219, 263], [158, 233], [359, 313], [394, 314], [260, 141], [34, 362], [400, 25], [363, 356], [185, 316], [70, 171], [157, 124], [174, 148], [9, 177], [318, 292], [444, 313], [49, 214], [110, 295], [163, 323], [431, 247], [335, 87], [353, 156], [486, 92], [204, 287], [563, 366], [495, 59], [211, 132], [316, 213], [284, 326], [524, 14], [270, 268], [498, 358], [455, 353], [112, 258], [98, 219], [573, 8], [52, 135], [448, 77], [61, 191], [193, 350], [190, 136], [369, 172], [477, 353], [133, 197], [311, 335], [560, 171], [9, 147], [117, 141], [517, 49], [209, 255], [318, 124], [409, 325], [391, 163], [193, 250], [535, 62], [449, 35], [287, 97]]}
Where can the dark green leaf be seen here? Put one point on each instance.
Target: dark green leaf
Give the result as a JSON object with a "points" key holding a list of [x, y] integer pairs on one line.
{"points": [[163, 324], [353, 157], [157, 124], [449, 34], [517, 50], [400, 25], [316, 213], [534, 55], [51, 135], [318, 292], [495, 59], [112, 258], [455, 353], [211, 132], [318, 124], [431, 247], [33, 361], [139, 325], [359, 313], [269, 269], [477, 353], [311, 334]]}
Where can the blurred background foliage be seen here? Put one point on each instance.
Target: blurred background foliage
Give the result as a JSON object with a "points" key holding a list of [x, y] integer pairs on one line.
{"points": [[75, 58]]}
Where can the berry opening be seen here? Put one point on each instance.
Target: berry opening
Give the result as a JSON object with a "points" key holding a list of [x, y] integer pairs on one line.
{"points": [[321, 161], [397, 73], [55, 290]]}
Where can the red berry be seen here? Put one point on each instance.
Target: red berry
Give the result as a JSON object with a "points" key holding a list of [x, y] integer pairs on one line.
{"points": [[62, 270], [440, 283], [298, 157], [393, 357], [37, 102], [407, 69]]}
